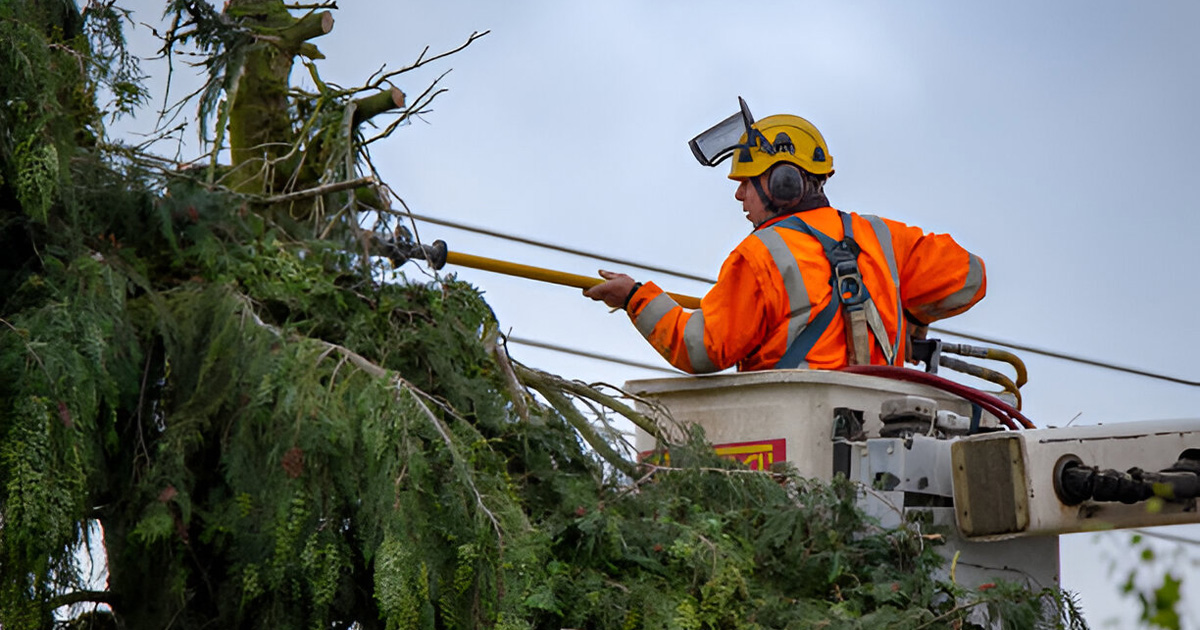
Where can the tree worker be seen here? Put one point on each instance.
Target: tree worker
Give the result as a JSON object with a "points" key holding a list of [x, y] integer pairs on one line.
{"points": [[811, 286]]}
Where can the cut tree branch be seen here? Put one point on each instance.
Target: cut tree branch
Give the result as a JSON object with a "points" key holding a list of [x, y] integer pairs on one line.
{"points": [[369, 107], [310, 26]]}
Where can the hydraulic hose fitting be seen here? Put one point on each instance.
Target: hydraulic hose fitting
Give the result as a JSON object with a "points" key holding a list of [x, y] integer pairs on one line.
{"points": [[1075, 482]]}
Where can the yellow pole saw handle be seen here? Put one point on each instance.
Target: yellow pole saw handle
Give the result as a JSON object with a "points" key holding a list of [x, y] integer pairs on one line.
{"points": [[544, 275], [437, 254]]}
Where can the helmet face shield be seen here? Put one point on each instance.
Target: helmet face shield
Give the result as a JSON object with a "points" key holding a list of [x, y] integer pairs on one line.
{"points": [[722, 139], [719, 142]]}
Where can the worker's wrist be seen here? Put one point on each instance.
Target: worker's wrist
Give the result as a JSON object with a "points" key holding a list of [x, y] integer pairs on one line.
{"points": [[636, 286], [913, 321]]}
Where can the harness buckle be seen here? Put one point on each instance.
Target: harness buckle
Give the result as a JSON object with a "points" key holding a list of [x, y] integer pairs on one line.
{"points": [[849, 284]]}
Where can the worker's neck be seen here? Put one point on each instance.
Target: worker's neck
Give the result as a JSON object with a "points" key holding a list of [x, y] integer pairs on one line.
{"points": [[811, 202]]}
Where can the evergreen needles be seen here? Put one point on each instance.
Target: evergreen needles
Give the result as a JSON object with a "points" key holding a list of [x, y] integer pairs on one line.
{"points": [[270, 436]]}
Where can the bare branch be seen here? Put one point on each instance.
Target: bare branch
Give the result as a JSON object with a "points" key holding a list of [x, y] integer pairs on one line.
{"points": [[445, 434], [75, 597], [375, 74], [534, 378], [421, 60], [730, 472], [584, 428], [317, 191], [311, 7], [500, 355], [423, 100]]}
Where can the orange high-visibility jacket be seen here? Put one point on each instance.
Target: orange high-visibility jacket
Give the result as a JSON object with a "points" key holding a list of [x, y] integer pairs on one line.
{"points": [[776, 282]]}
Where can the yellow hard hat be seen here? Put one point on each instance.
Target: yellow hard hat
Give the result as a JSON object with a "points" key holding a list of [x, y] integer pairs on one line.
{"points": [[781, 138], [757, 146]]}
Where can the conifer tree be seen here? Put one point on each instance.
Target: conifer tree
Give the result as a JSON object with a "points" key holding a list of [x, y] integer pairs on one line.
{"points": [[212, 364]]}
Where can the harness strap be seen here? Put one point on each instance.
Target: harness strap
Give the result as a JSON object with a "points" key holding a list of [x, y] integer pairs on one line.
{"points": [[851, 295], [858, 342], [875, 321], [797, 352]]}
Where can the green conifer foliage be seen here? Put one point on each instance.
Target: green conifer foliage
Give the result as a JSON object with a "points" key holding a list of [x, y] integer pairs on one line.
{"points": [[270, 436]]}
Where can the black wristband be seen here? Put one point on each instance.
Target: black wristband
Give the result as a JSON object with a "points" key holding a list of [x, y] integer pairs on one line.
{"points": [[912, 319], [636, 286]]}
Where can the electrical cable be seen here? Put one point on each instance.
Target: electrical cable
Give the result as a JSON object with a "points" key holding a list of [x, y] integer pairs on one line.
{"points": [[558, 248], [1068, 357], [590, 355], [678, 274], [1167, 537]]}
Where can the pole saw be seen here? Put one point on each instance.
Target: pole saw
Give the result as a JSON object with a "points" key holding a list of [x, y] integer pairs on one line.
{"points": [[438, 255]]}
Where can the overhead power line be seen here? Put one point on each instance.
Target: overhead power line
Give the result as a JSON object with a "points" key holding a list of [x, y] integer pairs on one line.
{"points": [[687, 276], [613, 359], [1183, 540], [558, 248], [1068, 357], [590, 355]]}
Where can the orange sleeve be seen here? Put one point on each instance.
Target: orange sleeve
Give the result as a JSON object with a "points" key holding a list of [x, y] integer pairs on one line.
{"points": [[938, 277], [729, 324]]}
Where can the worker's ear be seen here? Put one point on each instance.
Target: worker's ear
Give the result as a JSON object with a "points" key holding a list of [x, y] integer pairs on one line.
{"points": [[785, 184]]}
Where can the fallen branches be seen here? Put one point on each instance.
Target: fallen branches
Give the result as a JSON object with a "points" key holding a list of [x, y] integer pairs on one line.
{"points": [[537, 378], [584, 428]]}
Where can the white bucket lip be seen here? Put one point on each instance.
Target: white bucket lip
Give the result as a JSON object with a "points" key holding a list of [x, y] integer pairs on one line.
{"points": [[772, 377]]}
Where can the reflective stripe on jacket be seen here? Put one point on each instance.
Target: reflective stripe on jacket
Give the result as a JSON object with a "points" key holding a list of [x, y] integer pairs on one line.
{"points": [[776, 281]]}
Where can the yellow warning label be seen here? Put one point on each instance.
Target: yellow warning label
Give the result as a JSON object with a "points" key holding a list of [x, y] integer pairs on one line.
{"points": [[756, 455]]}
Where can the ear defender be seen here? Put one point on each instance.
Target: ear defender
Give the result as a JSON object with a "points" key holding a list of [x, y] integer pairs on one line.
{"points": [[785, 183]]}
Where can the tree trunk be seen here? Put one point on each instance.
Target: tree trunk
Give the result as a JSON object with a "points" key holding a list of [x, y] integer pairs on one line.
{"points": [[261, 136]]}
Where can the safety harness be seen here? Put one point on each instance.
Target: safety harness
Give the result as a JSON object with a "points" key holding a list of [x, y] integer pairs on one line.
{"points": [[849, 294]]}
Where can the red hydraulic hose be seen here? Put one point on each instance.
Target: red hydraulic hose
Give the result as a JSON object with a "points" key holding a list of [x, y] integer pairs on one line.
{"points": [[1002, 410]]}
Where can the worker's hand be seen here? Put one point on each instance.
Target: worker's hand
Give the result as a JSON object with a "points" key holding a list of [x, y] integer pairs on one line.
{"points": [[613, 290], [916, 333]]}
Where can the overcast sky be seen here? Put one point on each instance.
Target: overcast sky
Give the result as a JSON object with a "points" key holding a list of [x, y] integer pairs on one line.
{"points": [[1057, 141]]}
